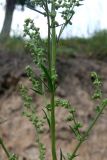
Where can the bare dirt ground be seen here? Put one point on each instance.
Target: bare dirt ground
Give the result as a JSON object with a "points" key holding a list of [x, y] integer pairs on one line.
{"points": [[74, 84]]}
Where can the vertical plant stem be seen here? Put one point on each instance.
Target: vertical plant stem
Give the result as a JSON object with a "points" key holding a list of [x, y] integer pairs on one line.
{"points": [[49, 40], [53, 135], [49, 44], [53, 47], [53, 62], [53, 35]]}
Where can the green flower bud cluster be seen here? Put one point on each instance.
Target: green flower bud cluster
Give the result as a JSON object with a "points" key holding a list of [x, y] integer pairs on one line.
{"points": [[62, 102], [64, 7], [99, 107], [42, 151], [35, 3], [75, 125], [30, 113], [29, 109], [97, 86], [54, 75], [70, 156], [68, 9], [34, 45], [36, 82], [36, 121], [24, 94], [13, 157]]}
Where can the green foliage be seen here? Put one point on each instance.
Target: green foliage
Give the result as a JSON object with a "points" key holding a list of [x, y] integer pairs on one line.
{"points": [[30, 113], [94, 46], [97, 86], [12, 45], [34, 45], [74, 46], [98, 44]]}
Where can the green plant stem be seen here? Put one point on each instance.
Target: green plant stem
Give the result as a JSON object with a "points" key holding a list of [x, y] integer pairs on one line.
{"points": [[30, 7], [53, 37], [53, 62], [49, 44], [53, 132], [53, 47], [103, 105], [49, 41], [4, 148]]}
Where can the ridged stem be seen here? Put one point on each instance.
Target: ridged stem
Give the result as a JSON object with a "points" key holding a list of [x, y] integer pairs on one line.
{"points": [[53, 135], [53, 62]]}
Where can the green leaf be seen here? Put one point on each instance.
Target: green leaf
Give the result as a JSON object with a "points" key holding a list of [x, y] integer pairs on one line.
{"points": [[50, 85], [37, 91], [48, 107], [47, 118]]}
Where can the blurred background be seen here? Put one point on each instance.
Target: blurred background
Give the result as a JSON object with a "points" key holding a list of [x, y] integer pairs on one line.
{"points": [[82, 49], [88, 29], [88, 18]]}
